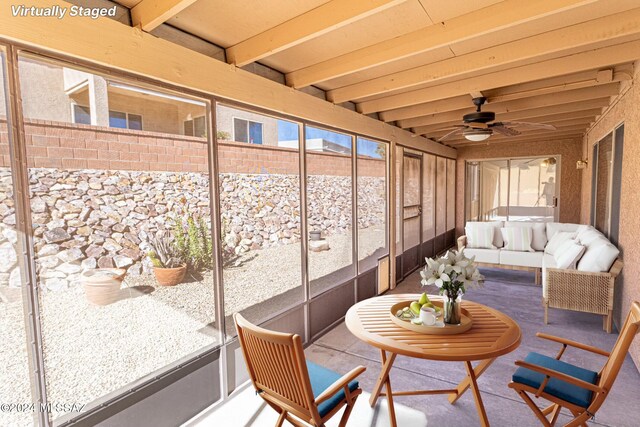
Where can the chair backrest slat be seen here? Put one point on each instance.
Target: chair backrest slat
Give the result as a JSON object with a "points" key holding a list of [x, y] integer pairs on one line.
{"points": [[276, 365], [620, 349]]}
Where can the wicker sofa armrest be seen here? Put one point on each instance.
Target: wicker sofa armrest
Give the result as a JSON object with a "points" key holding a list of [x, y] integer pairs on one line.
{"points": [[462, 242], [586, 291]]}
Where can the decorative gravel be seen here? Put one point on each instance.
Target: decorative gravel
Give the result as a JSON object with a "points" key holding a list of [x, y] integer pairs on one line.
{"points": [[92, 351]]}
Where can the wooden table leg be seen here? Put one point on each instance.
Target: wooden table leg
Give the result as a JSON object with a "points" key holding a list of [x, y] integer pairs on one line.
{"points": [[383, 379], [484, 421], [387, 364], [465, 383]]}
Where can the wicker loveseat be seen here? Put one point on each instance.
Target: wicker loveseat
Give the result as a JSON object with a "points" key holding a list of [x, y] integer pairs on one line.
{"points": [[588, 286]]}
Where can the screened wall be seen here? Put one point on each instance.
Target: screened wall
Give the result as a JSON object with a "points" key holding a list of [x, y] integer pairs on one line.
{"points": [[425, 209], [281, 220]]}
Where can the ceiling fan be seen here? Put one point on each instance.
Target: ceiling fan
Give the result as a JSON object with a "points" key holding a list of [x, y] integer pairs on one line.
{"points": [[478, 127]]}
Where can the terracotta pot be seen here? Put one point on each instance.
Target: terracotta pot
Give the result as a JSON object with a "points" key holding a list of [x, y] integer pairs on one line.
{"points": [[170, 276], [102, 285]]}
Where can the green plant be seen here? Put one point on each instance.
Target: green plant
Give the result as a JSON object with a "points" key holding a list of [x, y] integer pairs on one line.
{"points": [[225, 136], [193, 241], [164, 253]]}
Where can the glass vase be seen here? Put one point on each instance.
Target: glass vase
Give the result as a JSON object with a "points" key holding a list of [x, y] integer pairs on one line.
{"points": [[452, 314]]}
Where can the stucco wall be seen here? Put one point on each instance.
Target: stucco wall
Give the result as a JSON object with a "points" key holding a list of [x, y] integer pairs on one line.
{"points": [[570, 150], [624, 111]]}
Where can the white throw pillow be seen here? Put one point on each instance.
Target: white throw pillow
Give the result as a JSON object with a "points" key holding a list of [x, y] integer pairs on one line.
{"points": [[517, 239], [495, 225], [555, 227], [568, 255], [599, 256], [558, 239], [539, 237], [480, 238], [587, 237]]}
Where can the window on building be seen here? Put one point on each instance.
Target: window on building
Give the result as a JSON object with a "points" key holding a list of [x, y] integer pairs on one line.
{"points": [[195, 127], [81, 115], [118, 119], [247, 131]]}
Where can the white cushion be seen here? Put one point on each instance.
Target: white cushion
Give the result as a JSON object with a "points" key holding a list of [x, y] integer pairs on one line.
{"points": [[568, 254], [557, 240], [589, 236], [539, 238], [496, 225], [517, 238], [490, 256], [554, 227], [480, 238], [599, 256], [522, 259]]}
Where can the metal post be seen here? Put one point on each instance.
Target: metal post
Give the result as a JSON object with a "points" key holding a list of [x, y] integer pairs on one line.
{"points": [[25, 242], [304, 229]]}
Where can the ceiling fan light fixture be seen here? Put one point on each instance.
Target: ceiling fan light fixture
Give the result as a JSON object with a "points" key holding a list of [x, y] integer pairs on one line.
{"points": [[477, 135]]}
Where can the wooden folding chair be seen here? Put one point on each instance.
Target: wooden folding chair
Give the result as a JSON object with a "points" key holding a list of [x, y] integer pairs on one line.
{"points": [[290, 384], [579, 390]]}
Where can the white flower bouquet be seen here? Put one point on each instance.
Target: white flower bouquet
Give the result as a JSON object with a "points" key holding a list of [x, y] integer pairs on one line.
{"points": [[452, 274]]}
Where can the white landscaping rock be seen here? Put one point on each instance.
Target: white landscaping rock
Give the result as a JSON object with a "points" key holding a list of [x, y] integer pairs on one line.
{"points": [[15, 279], [8, 257], [318, 245]]}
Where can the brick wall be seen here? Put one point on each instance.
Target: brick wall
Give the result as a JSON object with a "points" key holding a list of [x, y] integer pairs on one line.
{"points": [[73, 146]]}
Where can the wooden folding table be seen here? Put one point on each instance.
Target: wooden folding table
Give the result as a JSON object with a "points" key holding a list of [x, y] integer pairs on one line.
{"points": [[493, 334]]}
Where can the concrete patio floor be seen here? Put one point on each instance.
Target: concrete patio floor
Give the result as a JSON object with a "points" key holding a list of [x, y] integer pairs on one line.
{"points": [[511, 292]]}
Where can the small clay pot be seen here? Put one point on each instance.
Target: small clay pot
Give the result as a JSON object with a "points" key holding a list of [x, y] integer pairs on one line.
{"points": [[170, 276], [102, 285]]}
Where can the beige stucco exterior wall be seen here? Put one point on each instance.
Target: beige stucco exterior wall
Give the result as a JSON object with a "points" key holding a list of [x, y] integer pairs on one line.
{"points": [[569, 150], [626, 111], [225, 116]]}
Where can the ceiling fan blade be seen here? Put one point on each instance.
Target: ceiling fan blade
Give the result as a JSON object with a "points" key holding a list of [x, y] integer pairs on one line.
{"points": [[530, 125], [477, 125], [500, 128], [450, 134]]}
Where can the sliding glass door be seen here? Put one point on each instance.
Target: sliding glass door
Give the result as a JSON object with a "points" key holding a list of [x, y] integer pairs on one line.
{"points": [[523, 189]]}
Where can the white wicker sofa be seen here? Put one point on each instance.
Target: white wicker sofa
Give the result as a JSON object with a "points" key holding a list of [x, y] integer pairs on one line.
{"points": [[589, 262]]}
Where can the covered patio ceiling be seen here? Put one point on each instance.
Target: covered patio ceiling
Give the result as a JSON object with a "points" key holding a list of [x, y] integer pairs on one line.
{"points": [[418, 63]]}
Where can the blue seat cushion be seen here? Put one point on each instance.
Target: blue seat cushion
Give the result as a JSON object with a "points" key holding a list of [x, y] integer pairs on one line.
{"points": [[321, 379], [555, 387]]}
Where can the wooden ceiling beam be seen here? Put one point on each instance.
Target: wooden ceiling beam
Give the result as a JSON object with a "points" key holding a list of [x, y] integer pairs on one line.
{"points": [[561, 83], [496, 17], [597, 58], [579, 36], [525, 116], [570, 96], [314, 23], [149, 14], [522, 90], [436, 107]]}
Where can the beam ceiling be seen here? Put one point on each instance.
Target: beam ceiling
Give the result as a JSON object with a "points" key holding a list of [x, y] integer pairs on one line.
{"points": [[580, 36], [321, 20], [592, 59], [496, 17], [570, 96], [149, 14], [418, 64]]}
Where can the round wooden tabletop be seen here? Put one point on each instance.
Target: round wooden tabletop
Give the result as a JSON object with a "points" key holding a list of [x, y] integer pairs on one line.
{"points": [[492, 334]]}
